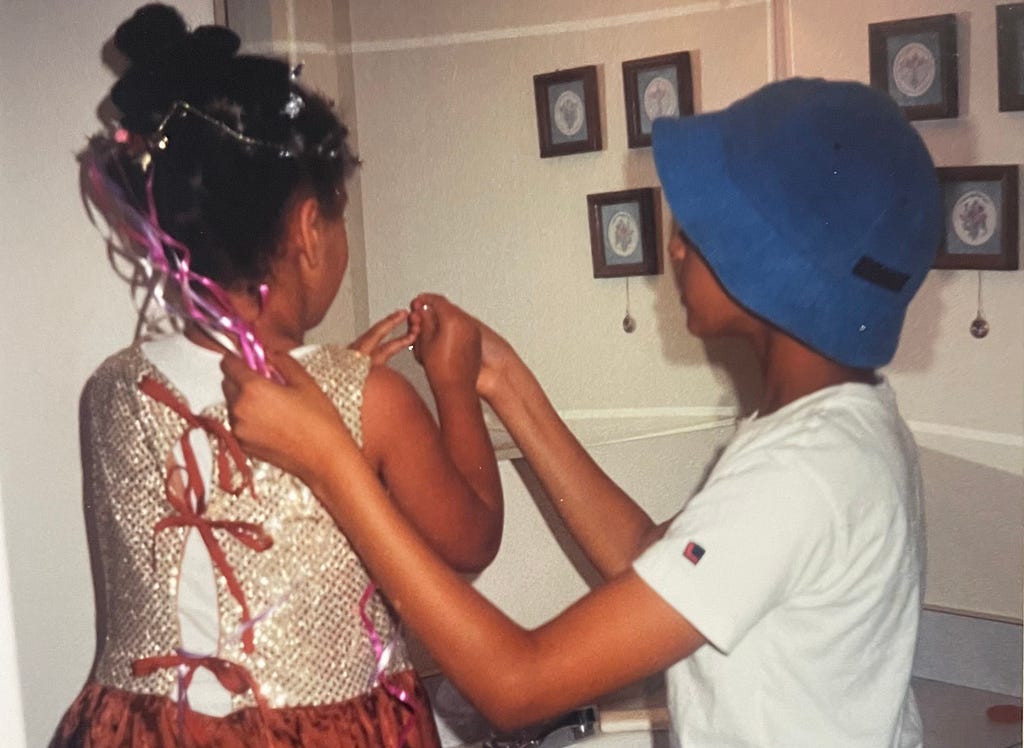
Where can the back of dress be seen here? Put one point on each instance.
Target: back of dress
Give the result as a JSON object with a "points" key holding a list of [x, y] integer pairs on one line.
{"points": [[176, 508]]}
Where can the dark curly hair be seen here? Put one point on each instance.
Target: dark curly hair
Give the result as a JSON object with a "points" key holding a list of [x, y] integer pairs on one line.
{"points": [[224, 177]]}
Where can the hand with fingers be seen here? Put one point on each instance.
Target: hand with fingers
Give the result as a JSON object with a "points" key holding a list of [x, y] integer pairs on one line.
{"points": [[264, 414], [375, 342], [448, 345], [453, 327]]}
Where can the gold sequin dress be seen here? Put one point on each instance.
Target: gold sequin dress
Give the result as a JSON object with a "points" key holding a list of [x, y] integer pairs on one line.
{"points": [[293, 614]]}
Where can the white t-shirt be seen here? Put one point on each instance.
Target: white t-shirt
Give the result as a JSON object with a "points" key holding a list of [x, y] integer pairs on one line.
{"points": [[800, 562]]}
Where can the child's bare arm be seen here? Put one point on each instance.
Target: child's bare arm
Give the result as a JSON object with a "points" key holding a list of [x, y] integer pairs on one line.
{"points": [[450, 492], [450, 356], [608, 525]]}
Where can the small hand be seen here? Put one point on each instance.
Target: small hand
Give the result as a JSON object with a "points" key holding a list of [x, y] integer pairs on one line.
{"points": [[373, 342], [291, 425]]}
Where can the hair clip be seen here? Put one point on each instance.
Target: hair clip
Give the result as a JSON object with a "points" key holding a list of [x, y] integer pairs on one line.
{"points": [[295, 103], [179, 108], [159, 140]]}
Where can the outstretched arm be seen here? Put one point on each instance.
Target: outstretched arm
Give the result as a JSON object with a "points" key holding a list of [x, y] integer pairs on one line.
{"points": [[615, 635], [608, 525], [452, 496]]}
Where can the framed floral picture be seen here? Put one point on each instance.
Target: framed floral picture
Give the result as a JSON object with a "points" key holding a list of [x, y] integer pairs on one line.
{"points": [[624, 233], [568, 114], [1010, 52], [660, 86], [915, 61], [981, 218]]}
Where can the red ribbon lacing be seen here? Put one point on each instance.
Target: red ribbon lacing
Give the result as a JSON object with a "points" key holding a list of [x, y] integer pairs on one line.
{"points": [[186, 494], [231, 675]]}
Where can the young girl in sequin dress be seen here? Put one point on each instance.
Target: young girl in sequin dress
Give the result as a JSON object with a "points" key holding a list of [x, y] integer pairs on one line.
{"points": [[231, 610]]}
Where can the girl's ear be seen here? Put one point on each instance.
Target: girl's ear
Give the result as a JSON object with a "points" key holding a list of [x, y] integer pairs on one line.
{"points": [[305, 233]]}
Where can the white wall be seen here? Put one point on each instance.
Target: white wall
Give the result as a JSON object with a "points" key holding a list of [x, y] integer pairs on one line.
{"points": [[64, 311]]}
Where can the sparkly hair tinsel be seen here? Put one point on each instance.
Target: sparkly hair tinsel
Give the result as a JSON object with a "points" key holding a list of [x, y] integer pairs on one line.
{"points": [[164, 261]]}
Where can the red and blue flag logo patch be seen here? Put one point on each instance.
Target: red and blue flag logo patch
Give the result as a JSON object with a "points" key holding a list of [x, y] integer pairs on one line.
{"points": [[693, 553]]}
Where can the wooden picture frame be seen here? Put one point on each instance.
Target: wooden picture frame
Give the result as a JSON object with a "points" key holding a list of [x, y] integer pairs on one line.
{"points": [[1010, 54], [659, 86], [915, 62], [624, 233], [980, 209], [568, 111]]}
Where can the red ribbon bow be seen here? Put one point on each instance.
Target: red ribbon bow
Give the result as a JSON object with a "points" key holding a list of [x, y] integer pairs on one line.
{"points": [[231, 675], [190, 513]]}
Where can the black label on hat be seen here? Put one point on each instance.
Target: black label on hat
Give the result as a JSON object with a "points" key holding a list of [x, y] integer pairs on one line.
{"points": [[875, 272]]}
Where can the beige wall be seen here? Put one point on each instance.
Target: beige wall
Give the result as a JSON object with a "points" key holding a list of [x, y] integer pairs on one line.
{"points": [[454, 198], [457, 200], [316, 34]]}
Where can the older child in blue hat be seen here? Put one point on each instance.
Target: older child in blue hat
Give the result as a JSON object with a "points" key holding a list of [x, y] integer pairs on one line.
{"points": [[784, 597]]}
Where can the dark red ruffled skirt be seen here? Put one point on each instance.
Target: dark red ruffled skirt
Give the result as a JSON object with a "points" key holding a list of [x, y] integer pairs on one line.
{"points": [[104, 717]]}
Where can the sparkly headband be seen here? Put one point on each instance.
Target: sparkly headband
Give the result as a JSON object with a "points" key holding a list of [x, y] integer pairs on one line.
{"points": [[291, 109]]}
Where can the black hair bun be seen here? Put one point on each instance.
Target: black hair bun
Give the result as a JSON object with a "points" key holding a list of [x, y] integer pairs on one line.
{"points": [[215, 43], [157, 34], [168, 63], [148, 32]]}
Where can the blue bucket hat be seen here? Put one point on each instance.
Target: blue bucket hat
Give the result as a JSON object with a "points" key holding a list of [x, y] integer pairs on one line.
{"points": [[815, 204]]}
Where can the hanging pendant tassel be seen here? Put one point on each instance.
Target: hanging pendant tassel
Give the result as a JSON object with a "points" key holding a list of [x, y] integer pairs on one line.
{"points": [[979, 327], [628, 323]]}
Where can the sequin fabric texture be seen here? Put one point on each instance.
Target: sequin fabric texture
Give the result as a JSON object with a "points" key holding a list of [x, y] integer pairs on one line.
{"points": [[304, 590]]}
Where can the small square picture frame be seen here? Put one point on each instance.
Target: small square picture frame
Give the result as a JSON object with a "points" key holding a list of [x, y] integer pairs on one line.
{"points": [[624, 233], [915, 61], [980, 218], [1010, 56], [568, 111], [659, 86]]}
